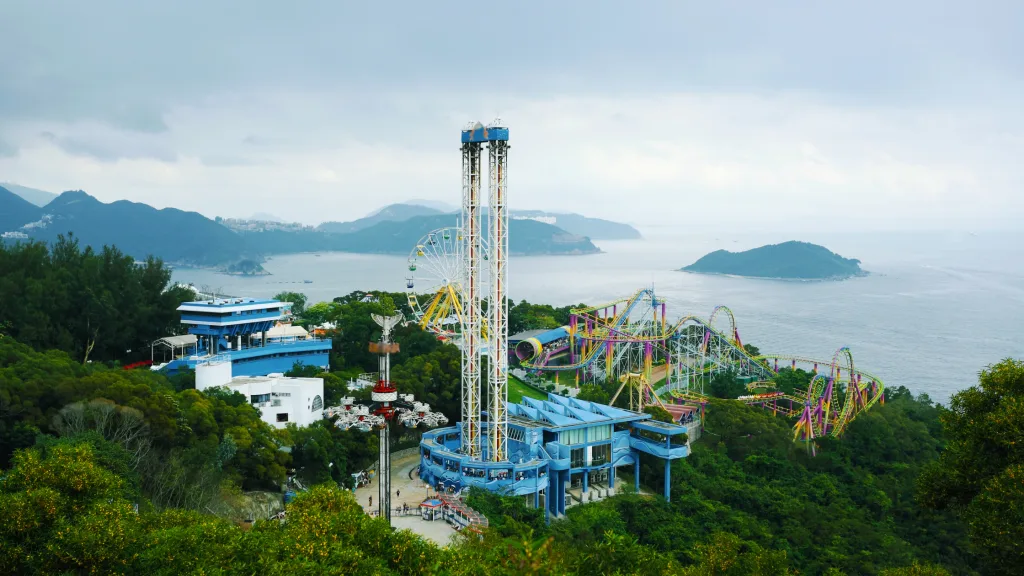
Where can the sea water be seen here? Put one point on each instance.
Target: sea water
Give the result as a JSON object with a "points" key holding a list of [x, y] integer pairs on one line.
{"points": [[935, 309]]}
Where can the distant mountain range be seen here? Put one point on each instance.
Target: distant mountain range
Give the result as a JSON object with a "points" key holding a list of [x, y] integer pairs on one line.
{"points": [[789, 260], [593, 228], [136, 229], [192, 239], [38, 197], [390, 213], [16, 211]]}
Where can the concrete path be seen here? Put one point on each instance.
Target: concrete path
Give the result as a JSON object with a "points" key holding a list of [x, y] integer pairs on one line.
{"points": [[407, 488]]}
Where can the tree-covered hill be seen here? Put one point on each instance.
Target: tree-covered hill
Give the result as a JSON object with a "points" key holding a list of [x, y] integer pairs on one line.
{"points": [[789, 260], [15, 211], [140, 230]]}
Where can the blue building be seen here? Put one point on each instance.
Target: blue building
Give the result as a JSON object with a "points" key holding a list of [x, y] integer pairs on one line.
{"points": [[243, 331], [559, 449]]}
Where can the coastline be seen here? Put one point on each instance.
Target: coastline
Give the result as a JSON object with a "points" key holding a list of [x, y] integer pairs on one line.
{"points": [[862, 274]]}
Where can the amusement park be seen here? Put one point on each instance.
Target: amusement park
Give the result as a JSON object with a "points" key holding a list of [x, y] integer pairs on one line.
{"points": [[657, 366], [562, 450]]}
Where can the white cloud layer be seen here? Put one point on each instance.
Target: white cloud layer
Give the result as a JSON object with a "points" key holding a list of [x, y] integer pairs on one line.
{"points": [[782, 119]]}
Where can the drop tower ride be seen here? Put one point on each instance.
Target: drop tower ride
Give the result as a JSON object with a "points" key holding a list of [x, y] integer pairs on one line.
{"points": [[495, 335]]}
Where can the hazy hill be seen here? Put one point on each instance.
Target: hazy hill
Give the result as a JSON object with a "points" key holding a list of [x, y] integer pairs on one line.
{"points": [[594, 228], [190, 238], [15, 211], [390, 213], [37, 197], [435, 204], [140, 230], [790, 260], [400, 237]]}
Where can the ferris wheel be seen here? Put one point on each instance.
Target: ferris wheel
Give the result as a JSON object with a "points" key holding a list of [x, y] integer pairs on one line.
{"points": [[434, 284]]}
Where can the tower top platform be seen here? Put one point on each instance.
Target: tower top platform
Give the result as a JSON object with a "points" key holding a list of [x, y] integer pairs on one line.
{"points": [[230, 305], [232, 316], [480, 133]]}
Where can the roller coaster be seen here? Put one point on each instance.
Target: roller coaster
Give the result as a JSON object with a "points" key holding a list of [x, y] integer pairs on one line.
{"points": [[631, 340]]}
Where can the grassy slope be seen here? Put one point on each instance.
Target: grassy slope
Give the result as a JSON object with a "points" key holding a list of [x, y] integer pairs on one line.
{"points": [[517, 389]]}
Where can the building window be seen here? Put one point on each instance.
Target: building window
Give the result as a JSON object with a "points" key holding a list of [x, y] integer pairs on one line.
{"points": [[318, 403], [598, 433], [282, 416], [577, 458], [260, 398], [570, 437], [601, 454]]}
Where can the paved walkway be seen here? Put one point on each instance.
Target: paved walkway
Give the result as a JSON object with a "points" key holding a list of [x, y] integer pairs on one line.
{"points": [[406, 490]]}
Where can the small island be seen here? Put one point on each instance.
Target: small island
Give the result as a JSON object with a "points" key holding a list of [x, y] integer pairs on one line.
{"points": [[246, 268], [789, 261]]}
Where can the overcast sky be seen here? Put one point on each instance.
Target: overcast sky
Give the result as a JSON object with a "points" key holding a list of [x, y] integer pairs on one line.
{"points": [[783, 114]]}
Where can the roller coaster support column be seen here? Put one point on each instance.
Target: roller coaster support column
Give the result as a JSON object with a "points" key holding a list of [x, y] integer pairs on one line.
{"points": [[636, 473], [608, 357], [668, 471], [497, 328], [471, 168]]}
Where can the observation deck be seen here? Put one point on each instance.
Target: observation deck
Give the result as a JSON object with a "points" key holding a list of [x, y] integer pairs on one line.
{"points": [[248, 333]]}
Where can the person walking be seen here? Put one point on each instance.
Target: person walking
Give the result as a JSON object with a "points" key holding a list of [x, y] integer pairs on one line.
{"points": [[398, 493], [371, 501]]}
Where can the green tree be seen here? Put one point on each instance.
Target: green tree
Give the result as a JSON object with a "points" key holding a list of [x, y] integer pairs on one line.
{"points": [[319, 313], [726, 385], [593, 393], [297, 299], [980, 474], [93, 305]]}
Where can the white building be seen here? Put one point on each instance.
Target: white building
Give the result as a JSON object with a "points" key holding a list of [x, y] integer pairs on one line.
{"points": [[280, 399]]}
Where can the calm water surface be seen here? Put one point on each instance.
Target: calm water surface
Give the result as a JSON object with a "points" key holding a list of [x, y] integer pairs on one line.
{"points": [[936, 308]]}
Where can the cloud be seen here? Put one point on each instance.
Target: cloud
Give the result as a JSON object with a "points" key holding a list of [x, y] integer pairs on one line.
{"points": [[712, 114]]}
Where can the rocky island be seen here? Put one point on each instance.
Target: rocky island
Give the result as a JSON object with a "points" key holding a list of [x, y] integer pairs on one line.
{"points": [[246, 268], [789, 261]]}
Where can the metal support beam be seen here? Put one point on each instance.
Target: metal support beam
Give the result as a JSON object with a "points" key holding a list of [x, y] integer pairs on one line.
{"points": [[384, 475], [497, 308], [472, 328]]}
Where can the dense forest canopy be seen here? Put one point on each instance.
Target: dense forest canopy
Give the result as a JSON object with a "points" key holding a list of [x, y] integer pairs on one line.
{"points": [[100, 305]]}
